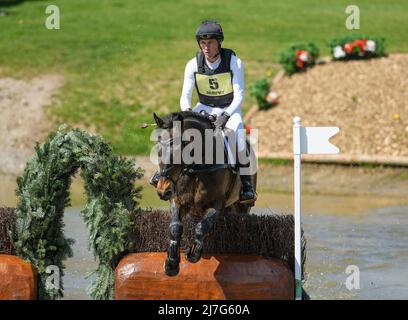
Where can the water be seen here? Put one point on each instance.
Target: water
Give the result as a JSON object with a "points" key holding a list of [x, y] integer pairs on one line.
{"points": [[82, 262], [369, 232], [375, 241]]}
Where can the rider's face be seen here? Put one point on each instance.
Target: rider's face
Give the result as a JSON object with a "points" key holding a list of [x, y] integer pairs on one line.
{"points": [[209, 47]]}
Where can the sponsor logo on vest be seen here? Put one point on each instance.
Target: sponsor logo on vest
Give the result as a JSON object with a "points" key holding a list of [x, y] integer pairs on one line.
{"points": [[215, 92]]}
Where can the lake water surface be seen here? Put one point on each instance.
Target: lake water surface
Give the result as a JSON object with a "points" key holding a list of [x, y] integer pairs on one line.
{"points": [[370, 233], [375, 241]]}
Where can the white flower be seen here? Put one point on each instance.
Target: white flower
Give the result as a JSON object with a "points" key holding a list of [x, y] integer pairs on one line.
{"points": [[370, 46], [272, 97], [304, 56], [338, 52]]}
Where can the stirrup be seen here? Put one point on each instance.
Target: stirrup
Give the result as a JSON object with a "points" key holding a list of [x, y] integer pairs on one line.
{"points": [[249, 200]]}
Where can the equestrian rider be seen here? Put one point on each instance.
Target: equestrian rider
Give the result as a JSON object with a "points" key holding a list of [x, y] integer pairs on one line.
{"points": [[215, 68]]}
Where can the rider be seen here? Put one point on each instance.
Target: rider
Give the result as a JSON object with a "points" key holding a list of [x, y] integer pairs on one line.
{"points": [[215, 68]]}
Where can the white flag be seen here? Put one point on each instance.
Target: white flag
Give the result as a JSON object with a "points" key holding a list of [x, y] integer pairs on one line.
{"points": [[315, 140], [306, 140]]}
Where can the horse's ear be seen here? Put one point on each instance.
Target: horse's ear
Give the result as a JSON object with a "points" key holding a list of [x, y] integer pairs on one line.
{"points": [[158, 121]]}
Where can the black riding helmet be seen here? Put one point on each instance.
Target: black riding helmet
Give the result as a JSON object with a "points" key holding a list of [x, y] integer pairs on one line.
{"points": [[209, 30]]}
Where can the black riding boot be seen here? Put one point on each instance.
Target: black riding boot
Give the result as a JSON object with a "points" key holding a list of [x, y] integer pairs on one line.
{"points": [[155, 179], [247, 191], [248, 194]]}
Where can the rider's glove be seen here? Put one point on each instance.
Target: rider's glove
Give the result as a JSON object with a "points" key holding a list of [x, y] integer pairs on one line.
{"points": [[212, 117], [221, 121]]}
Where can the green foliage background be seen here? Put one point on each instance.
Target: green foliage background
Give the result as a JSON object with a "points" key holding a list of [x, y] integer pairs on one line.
{"points": [[43, 192], [259, 90]]}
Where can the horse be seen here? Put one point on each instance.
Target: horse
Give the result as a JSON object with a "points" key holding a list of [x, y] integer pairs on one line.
{"points": [[202, 190]]}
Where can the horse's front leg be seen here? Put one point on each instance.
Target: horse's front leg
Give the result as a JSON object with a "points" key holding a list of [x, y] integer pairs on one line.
{"points": [[171, 265], [193, 253]]}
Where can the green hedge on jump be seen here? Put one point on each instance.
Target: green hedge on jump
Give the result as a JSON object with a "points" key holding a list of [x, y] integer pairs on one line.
{"points": [[43, 192]]}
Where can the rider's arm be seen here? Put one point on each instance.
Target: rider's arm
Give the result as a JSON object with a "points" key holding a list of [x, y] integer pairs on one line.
{"points": [[237, 68], [188, 84]]}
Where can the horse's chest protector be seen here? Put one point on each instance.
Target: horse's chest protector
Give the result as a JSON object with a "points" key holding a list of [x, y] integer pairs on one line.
{"points": [[214, 87]]}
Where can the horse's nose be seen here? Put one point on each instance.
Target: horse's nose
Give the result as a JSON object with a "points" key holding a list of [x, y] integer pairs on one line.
{"points": [[164, 195]]}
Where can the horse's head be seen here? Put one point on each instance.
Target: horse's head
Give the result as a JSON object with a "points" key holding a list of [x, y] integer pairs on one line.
{"points": [[169, 169], [171, 144]]}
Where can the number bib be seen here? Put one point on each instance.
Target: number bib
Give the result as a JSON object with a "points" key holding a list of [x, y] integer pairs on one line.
{"points": [[215, 85]]}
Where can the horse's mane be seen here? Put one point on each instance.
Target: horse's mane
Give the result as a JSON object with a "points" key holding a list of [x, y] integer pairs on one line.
{"points": [[189, 120], [188, 116]]}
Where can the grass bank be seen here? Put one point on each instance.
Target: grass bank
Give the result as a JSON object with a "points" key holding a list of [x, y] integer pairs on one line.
{"points": [[122, 60]]}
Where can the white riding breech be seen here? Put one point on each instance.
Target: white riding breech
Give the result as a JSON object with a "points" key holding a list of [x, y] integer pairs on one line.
{"points": [[234, 122]]}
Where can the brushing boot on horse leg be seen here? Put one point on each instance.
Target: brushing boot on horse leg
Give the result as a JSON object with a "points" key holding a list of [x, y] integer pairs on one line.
{"points": [[171, 265], [193, 253]]}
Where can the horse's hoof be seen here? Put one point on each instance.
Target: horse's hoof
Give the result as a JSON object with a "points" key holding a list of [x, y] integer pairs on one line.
{"points": [[192, 258], [171, 268]]}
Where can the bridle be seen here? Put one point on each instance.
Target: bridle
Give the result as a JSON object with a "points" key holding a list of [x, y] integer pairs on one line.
{"points": [[184, 168], [166, 173]]}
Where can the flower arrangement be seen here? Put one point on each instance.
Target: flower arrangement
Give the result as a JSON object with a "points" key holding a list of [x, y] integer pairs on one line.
{"points": [[260, 90], [357, 47], [298, 57]]}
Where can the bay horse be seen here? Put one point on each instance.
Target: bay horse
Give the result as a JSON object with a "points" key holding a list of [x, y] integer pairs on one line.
{"points": [[199, 189]]}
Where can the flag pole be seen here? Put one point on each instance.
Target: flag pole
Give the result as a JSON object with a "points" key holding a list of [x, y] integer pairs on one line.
{"points": [[297, 218]]}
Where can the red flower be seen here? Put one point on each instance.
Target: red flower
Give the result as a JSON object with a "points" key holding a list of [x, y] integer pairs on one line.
{"points": [[360, 44], [301, 58], [348, 47], [247, 129]]}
